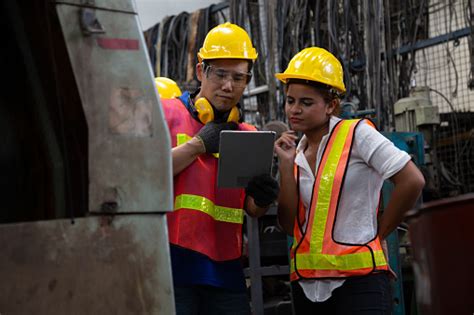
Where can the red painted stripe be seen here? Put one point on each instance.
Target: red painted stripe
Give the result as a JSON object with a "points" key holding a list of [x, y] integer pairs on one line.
{"points": [[118, 43]]}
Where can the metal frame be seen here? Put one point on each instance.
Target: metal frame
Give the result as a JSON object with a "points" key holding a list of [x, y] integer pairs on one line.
{"points": [[412, 143], [255, 271]]}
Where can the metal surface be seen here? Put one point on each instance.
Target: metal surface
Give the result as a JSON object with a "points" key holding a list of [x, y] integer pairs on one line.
{"points": [[470, 82], [256, 91], [421, 44], [89, 22], [129, 145], [45, 123], [269, 271], [99, 265], [412, 143], [256, 292], [441, 237], [126, 6], [456, 35], [398, 301], [256, 271], [415, 111]]}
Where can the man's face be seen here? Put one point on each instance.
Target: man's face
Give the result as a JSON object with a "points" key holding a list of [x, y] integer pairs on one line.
{"points": [[223, 81]]}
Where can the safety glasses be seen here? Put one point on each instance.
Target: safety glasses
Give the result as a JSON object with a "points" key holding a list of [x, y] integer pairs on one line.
{"points": [[222, 76]]}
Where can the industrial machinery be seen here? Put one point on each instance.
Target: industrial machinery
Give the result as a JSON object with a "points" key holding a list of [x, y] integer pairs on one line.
{"points": [[416, 113], [86, 163], [403, 298]]}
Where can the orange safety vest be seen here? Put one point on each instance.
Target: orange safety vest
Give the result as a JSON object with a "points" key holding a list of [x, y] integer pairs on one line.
{"points": [[315, 254], [206, 219]]}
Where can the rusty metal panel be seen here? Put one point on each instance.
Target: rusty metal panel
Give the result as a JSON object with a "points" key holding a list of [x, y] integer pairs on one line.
{"points": [[99, 265], [129, 145], [441, 237], [116, 5]]}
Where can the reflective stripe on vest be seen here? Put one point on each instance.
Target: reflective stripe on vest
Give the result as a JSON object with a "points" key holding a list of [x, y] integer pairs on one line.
{"points": [[218, 213], [354, 261], [315, 252], [183, 138]]}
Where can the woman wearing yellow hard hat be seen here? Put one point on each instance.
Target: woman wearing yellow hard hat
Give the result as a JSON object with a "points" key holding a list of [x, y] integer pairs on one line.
{"points": [[330, 187], [167, 88]]}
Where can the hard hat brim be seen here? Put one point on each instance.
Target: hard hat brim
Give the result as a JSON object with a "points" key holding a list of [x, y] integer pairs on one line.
{"points": [[251, 57], [284, 77]]}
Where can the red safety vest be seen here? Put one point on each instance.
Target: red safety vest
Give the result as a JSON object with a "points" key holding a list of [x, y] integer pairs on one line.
{"points": [[315, 254], [206, 219]]}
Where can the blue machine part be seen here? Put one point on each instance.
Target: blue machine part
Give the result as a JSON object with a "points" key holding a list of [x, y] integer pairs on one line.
{"points": [[349, 111], [410, 142], [413, 144]]}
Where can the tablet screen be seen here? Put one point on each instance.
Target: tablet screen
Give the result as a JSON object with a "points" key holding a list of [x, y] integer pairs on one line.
{"points": [[243, 155]]}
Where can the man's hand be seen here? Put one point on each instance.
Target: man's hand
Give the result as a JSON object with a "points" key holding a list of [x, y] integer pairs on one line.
{"points": [[263, 189], [210, 134]]}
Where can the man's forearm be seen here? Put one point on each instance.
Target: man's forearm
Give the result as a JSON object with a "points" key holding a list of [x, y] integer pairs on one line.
{"points": [[183, 155]]}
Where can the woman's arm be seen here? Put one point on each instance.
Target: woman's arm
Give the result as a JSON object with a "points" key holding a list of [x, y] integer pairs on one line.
{"points": [[287, 199], [408, 183], [393, 164]]}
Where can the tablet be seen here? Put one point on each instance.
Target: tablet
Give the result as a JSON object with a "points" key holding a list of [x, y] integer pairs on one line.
{"points": [[243, 155]]}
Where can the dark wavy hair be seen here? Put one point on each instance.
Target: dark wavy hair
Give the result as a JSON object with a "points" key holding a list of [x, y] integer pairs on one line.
{"points": [[328, 93]]}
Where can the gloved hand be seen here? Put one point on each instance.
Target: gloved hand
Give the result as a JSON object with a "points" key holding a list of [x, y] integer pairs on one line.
{"points": [[263, 189], [210, 134]]}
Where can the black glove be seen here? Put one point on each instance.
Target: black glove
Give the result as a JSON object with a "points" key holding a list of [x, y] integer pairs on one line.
{"points": [[264, 190], [210, 134]]}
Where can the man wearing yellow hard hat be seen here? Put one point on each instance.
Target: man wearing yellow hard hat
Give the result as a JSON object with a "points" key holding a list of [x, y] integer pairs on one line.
{"points": [[205, 228], [167, 88]]}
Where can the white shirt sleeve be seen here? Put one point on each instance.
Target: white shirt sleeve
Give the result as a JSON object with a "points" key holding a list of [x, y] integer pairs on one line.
{"points": [[379, 152]]}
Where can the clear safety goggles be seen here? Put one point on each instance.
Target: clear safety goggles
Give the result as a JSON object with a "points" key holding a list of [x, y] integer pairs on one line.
{"points": [[222, 76]]}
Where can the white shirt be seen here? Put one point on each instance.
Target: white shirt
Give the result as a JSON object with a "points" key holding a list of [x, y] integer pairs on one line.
{"points": [[373, 159]]}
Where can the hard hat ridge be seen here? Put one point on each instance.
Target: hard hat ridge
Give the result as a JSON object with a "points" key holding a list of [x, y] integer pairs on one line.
{"points": [[227, 41], [315, 64]]}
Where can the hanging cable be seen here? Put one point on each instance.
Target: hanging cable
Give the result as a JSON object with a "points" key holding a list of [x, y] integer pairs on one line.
{"points": [[454, 129]]}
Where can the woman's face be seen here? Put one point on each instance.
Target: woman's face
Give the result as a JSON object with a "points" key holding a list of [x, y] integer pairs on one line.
{"points": [[306, 108]]}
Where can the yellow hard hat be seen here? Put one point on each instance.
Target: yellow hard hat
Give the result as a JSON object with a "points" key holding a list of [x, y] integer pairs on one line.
{"points": [[315, 64], [167, 88], [227, 41]]}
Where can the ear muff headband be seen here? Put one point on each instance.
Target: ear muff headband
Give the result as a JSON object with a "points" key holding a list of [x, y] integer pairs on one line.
{"points": [[234, 115], [205, 111]]}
